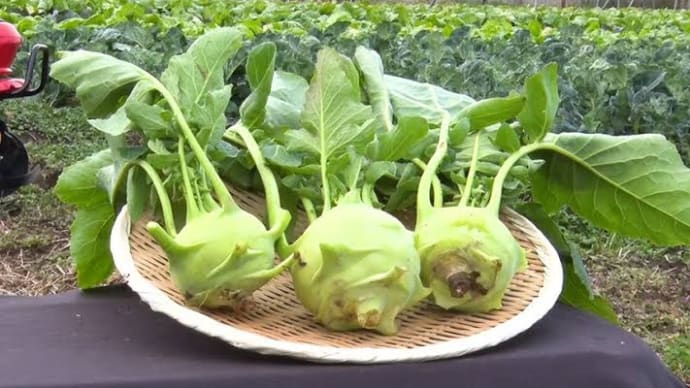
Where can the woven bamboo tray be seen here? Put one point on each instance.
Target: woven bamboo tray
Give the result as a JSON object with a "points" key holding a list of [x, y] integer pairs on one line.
{"points": [[278, 324]]}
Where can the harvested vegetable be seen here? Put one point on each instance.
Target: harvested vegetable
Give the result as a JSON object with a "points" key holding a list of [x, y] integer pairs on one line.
{"points": [[468, 255], [222, 253], [356, 266]]}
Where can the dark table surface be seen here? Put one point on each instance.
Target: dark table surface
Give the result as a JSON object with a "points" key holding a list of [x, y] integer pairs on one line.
{"points": [[109, 338]]}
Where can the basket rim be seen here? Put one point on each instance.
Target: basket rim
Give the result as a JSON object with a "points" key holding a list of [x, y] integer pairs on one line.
{"points": [[160, 302]]}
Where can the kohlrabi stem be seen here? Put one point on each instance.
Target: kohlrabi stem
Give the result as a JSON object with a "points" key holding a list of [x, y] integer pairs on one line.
{"points": [[197, 195], [367, 190], [435, 183], [206, 198], [162, 196], [324, 184], [470, 175], [309, 209], [232, 137], [276, 214], [192, 208], [423, 201], [494, 204], [222, 192]]}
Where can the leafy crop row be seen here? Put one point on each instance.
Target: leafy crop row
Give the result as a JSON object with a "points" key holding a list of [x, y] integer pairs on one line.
{"points": [[299, 18], [623, 71]]}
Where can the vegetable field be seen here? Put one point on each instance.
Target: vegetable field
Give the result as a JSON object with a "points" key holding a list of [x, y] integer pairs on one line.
{"points": [[577, 118]]}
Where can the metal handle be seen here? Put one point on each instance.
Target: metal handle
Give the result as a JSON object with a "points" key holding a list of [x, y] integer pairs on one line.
{"points": [[26, 90]]}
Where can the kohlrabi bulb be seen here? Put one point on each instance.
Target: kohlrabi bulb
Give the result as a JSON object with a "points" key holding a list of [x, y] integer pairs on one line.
{"points": [[219, 257], [356, 267], [468, 258]]}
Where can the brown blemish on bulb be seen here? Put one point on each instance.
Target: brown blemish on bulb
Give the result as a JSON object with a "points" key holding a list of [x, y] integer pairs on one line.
{"points": [[301, 262], [370, 319], [462, 282], [461, 278]]}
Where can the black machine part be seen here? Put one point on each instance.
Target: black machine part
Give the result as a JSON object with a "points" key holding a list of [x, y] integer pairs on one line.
{"points": [[14, 162]]}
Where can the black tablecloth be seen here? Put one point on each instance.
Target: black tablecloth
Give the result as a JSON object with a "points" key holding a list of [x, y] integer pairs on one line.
{"points": [[109, 338]]}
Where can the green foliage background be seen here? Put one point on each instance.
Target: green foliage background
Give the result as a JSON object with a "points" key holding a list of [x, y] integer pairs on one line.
{"points": [[621, 71]]}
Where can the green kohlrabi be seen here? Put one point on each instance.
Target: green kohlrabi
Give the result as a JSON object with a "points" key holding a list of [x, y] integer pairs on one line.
{"points": [[633, 185], [468, 255], [222, 253], [355, 265]]}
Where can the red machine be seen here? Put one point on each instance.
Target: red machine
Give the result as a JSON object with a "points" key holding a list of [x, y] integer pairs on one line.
{"points": [[14, 160]]}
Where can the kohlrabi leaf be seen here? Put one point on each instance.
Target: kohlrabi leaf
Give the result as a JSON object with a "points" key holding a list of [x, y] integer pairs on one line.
{"points": [[492, 111], [352, 170], [333, 116], [577, 295], [162, 161], [379, 169], [260, 69], [405, 192], [397, 143], [370, 65], [78, 184], [119, 122], [459, 131], [303, 186], [154, 121], [507, 139], [102, 82], [633, 185], [90, 232], [158, 146], [278, 155], [577, 288], [89, 244], [487, 151], [412, 98], [541, 106], [137, 193], [114, 125], [286, 101], [197, 81]]}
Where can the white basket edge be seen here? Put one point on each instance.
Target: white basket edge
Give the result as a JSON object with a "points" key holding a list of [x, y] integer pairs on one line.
{"points": [[160, 302]]}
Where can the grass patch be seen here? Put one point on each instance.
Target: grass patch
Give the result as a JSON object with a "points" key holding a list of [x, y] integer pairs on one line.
{"points": [[648, 286], [677, 354], [34, 224]]}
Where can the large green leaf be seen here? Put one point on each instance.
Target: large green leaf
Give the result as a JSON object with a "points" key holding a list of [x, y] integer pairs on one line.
{"points": [[154, 121], [397, 143], [285, 103], [492, 111], [101, 81], [90, 232], [137, 191], [260, 69], [78, 184], [197, 80], [412, 98], [541, 107], [89, 244], [576, 293], [633, 185], [333, 116], [114, 125], [507, 139], [369, 63], [120, 122]]}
